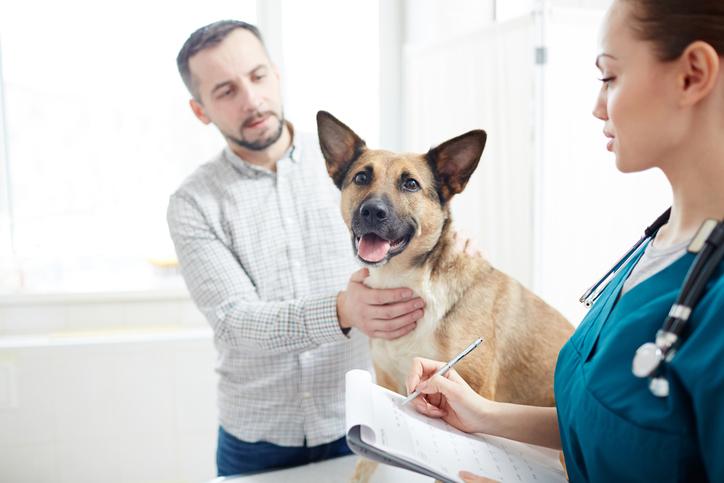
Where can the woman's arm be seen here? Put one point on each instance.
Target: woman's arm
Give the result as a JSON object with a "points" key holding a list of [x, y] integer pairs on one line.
{"points": [[449, 397]]}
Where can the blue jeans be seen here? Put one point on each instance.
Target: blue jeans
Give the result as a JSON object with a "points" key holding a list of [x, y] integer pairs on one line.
{"points": [[237, 457]]}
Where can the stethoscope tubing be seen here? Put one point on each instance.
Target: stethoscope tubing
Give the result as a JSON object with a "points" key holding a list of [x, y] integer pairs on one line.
{"points": [[698, 276], [590, 295]]}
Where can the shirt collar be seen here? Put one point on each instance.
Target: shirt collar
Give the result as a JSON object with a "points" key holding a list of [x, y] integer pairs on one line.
{"points": [[244, 167]]}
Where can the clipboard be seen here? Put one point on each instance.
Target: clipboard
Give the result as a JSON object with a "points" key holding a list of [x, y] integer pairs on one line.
{"points": [[379, 429]]}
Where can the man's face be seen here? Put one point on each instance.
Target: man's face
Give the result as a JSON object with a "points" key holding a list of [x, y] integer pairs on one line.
{"points": [[238, 91]]}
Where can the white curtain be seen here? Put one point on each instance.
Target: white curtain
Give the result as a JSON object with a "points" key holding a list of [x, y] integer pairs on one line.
{"points": [[546, 204], [482, 80]]}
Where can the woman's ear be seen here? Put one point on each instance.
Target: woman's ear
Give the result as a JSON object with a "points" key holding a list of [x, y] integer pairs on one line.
{"points": [[700, 66]]}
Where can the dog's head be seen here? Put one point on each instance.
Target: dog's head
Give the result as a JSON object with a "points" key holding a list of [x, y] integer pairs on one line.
{"points": [[395, 205]]}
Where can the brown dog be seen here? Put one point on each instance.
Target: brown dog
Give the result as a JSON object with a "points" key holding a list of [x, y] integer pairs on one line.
{"points": [[397, 209]]}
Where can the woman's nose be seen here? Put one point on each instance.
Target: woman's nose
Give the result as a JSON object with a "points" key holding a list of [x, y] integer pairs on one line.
{"points": [[599, 109]]}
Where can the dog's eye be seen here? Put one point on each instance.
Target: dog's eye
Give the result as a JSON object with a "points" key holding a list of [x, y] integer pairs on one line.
{"points": [[411, 185], [361, 178]]}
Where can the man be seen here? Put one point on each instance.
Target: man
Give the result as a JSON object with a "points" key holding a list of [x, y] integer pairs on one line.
{"points": [[264, 253]]}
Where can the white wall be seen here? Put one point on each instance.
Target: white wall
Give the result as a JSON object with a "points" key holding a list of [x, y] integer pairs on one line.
{"points": [[99, 392], [331, 62], [118, 411], [589, 213]]}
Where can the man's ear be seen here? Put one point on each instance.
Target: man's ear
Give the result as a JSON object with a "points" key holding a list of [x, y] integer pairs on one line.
{"points": [[198, 110], [700, 65], [454, 162], [340, 146], [276, 72]]}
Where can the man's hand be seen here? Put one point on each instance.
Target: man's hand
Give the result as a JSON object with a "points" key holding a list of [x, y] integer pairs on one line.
{"points": [[382, 313], [464, 243]]}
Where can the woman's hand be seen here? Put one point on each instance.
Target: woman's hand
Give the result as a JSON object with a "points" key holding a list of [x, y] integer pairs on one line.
{"points": [[448, 397], [468, 477]]}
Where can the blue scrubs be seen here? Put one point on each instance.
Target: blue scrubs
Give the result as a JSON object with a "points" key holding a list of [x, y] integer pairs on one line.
{"points": [[612, 428]]}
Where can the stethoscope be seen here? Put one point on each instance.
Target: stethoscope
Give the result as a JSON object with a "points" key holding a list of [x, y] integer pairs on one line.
{"points": [[650, 358]]}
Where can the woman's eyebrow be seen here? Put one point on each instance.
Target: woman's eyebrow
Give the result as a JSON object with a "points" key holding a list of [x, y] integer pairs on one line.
{"points": [[600, 56]]}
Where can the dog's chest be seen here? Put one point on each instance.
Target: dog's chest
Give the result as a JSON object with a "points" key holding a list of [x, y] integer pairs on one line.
{"points": [[395, 356]]}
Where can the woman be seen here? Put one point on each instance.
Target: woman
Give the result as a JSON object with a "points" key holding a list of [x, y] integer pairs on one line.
{"points": [[662, 103]]}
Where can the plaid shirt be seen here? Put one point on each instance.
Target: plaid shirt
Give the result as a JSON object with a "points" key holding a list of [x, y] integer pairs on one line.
{"points": [[264, 255]]}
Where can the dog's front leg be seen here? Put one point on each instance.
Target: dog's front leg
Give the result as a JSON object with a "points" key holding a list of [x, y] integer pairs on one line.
{"points": [[363, 470]]}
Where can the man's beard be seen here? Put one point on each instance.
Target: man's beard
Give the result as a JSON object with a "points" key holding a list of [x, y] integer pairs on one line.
{"points": [[263, 143]]}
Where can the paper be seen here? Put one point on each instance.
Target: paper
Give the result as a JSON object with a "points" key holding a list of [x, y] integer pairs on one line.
{"points": [[434, 444]]}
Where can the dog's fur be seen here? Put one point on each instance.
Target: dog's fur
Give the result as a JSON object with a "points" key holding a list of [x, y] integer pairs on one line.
{"points": [[465, 297]]}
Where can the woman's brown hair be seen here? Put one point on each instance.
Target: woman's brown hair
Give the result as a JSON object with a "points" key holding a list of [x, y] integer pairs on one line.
{"points": [[671, 25]]}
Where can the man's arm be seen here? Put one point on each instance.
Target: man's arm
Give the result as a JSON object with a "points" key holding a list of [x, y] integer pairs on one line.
{"points": [[224, 293]]}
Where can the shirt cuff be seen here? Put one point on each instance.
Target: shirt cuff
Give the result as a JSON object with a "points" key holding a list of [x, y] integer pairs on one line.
{"points": [[320, 319]]}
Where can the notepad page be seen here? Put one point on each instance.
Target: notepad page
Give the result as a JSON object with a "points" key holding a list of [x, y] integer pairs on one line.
{"points": [[435, 444]]}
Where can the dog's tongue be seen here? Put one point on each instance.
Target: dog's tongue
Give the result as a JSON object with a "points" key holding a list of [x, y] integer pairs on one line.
{"points": [[373, 248]]}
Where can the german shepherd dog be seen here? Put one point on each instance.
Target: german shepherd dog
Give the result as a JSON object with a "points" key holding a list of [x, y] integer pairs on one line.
{"points": [[397, 208]]}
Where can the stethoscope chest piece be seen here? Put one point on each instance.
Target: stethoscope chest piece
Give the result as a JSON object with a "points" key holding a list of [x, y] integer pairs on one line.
{"points": [[647, 359], [659, 386], [646, 362]]}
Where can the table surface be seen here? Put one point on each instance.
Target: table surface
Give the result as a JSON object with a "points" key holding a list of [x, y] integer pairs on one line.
{"points": [[330, 471]]}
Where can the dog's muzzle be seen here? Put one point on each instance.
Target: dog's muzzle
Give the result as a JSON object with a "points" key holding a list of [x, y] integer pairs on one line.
{"points": [[378, 233]]}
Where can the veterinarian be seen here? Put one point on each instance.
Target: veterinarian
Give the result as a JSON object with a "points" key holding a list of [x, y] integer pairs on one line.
{"points": [[264, 252], [623, 413]]}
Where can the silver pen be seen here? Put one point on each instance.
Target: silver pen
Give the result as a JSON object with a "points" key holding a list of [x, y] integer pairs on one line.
{"points": [[443, 370]]}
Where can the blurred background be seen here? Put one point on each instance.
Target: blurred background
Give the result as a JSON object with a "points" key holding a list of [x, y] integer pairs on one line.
{"points": [[106, 367]]}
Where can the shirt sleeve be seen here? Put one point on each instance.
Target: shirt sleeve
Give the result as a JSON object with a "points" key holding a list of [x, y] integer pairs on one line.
{"points": [[700, 366], [225, 294]]}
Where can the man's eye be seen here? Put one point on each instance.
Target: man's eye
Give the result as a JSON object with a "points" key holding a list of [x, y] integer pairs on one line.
{"points": [[361, 178], [411, 185]]}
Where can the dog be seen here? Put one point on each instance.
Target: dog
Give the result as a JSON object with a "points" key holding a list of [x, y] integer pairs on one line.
{"points": [[397, 208]]}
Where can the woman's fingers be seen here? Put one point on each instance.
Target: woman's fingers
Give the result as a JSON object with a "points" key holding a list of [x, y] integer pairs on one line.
{"points": [[424, 407], [421, 369], [468, 477]]}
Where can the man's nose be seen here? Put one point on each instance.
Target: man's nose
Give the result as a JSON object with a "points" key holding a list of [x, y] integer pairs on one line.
{"points": [[374, 211], [251, 98]]}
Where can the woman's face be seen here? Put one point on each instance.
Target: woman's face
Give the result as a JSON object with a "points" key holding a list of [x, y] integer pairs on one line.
{"points": [[636, 100]]}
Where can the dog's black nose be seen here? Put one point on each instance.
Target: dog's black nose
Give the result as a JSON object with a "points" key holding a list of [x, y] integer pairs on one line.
{"points": [[374, 211]]}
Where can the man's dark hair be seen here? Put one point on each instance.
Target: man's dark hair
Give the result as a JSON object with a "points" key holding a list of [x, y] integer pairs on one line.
{"points": [[204, 38]]}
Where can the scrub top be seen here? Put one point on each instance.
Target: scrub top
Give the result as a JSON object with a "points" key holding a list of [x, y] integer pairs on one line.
{"points": [[612, 428]]}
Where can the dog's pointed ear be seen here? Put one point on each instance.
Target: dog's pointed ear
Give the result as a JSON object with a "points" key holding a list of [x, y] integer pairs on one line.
{"points": [[340, 146], [455, 160]]}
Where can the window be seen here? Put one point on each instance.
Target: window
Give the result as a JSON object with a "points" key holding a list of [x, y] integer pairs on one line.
{"points": [[97, 134]]}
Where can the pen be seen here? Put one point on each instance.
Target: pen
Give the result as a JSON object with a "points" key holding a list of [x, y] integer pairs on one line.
{"points": [[443, 370]]}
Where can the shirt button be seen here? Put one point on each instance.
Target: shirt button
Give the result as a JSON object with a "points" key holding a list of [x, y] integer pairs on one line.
{"points": [[306, 395], [297, 263]]}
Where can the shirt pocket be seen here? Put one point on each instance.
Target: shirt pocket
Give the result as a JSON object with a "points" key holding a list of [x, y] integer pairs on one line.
{"points": [[618, 449]]}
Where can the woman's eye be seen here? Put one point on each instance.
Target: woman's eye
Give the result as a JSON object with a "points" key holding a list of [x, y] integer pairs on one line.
{"points": [[361, 178], [411, 185], [607, 80]]}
